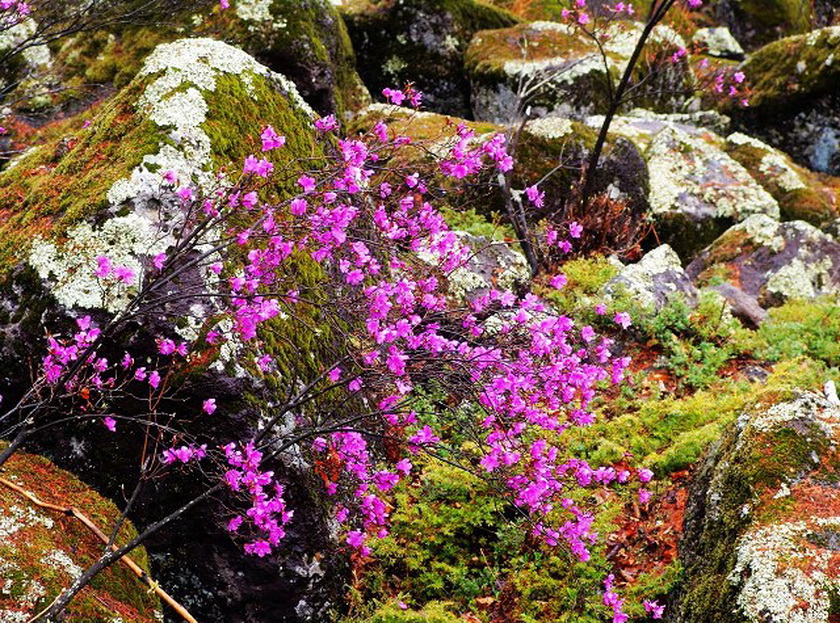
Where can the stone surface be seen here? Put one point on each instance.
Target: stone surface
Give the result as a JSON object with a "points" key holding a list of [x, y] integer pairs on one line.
{"points": [[555, 70], [801, 194], [699, 190], [794, 100], [763, 519], [420, 41], [42, 551], [771, 261], [655, 280], [718, 42]]}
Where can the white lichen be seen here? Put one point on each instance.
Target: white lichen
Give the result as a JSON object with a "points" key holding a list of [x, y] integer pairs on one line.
{"points": [[639, 279], [782, 576], [550, 127], [762, 230], [798, 280], [696, 177], [59, 559], [15, 518], [185, 72], [70, 267]]}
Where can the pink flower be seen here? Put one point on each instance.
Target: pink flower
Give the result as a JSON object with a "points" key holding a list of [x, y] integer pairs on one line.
{"points": [[103, 269], [623, 319], [654, 609], [271, 140], [124, 274], [575, 229], [535, 196], [326, 124], [645, 475], [260, 548], [558, 281], [209, 406], [154, 379], [307, 183], [644, 496], [110, 423], [394, 96], [159, 260]]}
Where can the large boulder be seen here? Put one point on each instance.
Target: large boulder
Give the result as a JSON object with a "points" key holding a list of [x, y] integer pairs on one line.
{"points": [[801, 194], [305, 40], [42, 551], [196, 108], [556, 70], [762, 523], [699, 189], [794, 98], [771, 261], [420, 41], [756, 22]]}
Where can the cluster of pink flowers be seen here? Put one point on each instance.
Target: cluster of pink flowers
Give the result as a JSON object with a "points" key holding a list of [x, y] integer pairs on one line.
{"points": [[267, 513], [13, 12], [390, 257]]}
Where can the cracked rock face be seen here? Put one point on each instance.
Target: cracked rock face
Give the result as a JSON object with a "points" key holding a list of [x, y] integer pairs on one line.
{"points": [[772, 261], [762, 528]]}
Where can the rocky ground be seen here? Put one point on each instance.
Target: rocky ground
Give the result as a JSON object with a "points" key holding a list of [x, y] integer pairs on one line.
{"points": [[731, 275]]}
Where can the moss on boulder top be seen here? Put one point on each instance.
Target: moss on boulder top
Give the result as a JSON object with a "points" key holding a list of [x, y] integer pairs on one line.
{"points": [[785, 73], [196, 107], [42, 551], [420, 41], [763, 518], [305, 40], [757, 22], [802, 194], [571, 65]]}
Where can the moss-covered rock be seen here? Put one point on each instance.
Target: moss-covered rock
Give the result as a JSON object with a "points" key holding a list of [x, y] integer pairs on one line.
{"points": [[654, 280], [801, 194], [305, 40], [197, 105], [699, 190], [550, 151], [763, 518], [793, 105], [506, 66], [756, 22], [43, 551], [420, 41], [771, 261]]}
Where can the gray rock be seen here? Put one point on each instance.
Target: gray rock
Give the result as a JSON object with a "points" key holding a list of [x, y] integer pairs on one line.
{"points": [[772, 261], [718, 42], [743, 306], [655, 280]]}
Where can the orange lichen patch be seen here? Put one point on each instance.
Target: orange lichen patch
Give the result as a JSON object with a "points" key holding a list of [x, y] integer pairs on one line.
{"points": [[42, 550]]}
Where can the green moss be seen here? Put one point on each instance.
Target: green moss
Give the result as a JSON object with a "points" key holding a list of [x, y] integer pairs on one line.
{"points": [[773, 18], [774, 72], [800, 328], [420, 41]]}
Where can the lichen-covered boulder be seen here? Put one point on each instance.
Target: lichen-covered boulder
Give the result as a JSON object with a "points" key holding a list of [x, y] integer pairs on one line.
{"points": [[42, 551], [196, 108], [196, 105], [556, 70], [794, 98], [801, 194], [756, 22], [420, 41], [654, 281], [305, 40], [762, 525], [699, 190], [771, 261]]}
